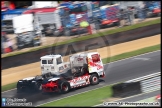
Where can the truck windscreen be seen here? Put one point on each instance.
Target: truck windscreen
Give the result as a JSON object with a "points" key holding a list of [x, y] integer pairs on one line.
{"points": [[103, 3], [78, 9]]}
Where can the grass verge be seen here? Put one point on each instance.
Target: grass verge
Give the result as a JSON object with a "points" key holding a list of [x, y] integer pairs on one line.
{"points": [[9, 86], [113, 31], [84, 99], [107, 60]]}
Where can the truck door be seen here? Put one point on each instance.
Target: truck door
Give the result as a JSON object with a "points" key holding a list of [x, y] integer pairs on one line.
{"points": [[94, 63]]}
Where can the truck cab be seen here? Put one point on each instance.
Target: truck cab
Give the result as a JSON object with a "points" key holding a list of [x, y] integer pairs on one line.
{"points": [[91, 62], [53, 64]]}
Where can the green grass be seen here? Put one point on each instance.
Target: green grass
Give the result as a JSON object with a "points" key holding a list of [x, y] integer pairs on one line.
{"points": [[113, 31], [131, 54], [85, 99], [107, 60], [9, 86]]}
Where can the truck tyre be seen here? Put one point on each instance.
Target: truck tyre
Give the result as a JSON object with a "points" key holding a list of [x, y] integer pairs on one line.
{"points": [[67, 32], [65, 87], [94, 79], [56, 33]]}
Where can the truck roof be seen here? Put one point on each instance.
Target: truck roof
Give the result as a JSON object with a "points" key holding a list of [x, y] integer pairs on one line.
{"points": [[50, 56], [15, 11], [84, 54], [40, 10]]}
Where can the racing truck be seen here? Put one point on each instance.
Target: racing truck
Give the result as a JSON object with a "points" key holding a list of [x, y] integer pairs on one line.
{"points": [[50, 64], [85, 69], [105, 14], [60, 77], [27, 33], [153, 8]]}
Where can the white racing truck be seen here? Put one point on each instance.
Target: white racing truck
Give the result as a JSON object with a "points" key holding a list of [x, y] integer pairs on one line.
{"points": [[26, 31], [58, 76]]}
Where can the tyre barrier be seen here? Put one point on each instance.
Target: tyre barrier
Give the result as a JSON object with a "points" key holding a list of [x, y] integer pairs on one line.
{"points": [[139, 85]]}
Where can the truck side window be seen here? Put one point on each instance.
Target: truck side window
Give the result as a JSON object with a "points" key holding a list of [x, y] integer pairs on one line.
{"points": [[44, 61], [59, 60], [95, 58], [50, 61], [61, 68]]}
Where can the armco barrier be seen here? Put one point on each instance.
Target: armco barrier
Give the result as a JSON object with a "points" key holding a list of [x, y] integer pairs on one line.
{"points": [[74, 47], [139, 85]]}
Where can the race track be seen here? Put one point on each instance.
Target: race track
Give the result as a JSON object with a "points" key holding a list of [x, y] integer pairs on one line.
{"points": [[115, 72]]}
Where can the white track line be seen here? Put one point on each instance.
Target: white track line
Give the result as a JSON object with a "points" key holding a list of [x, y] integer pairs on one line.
{"points": [[85, 92], [8, 90], [131, 57], [110, 63]]}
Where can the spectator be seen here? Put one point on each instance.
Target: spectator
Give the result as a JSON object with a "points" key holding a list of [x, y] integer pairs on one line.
{"points": [[141, 12], [121, 16], [130, 15]]}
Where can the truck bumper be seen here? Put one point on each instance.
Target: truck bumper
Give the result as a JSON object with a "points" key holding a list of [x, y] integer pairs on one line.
{"points": [[50, 89]]}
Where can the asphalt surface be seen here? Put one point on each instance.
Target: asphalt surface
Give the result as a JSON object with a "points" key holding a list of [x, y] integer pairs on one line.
{"points": [[115, 72], [138, 97]]}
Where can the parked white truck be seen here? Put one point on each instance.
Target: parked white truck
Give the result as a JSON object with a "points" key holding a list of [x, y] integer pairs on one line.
{"points": [[27, 33]]}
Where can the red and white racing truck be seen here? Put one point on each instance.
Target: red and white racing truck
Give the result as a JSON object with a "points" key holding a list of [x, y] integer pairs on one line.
{"points": [[58, 76], [85, 69]]}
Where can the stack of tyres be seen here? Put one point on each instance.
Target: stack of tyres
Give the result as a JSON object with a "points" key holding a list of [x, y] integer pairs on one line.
{"points": [[126, 89]]}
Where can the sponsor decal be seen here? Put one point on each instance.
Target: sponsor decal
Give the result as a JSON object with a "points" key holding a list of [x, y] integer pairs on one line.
{"points": [[80, 59], [95, 65], [80, 79]]}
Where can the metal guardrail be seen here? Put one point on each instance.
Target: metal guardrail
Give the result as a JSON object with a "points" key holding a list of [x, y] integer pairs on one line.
{"points": [[144, 77], [149, 82]]}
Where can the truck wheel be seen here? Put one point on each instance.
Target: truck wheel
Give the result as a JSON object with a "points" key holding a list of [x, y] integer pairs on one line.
{"points": [[67, 32], [65, 87], [94, 79], [56, 33]]}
